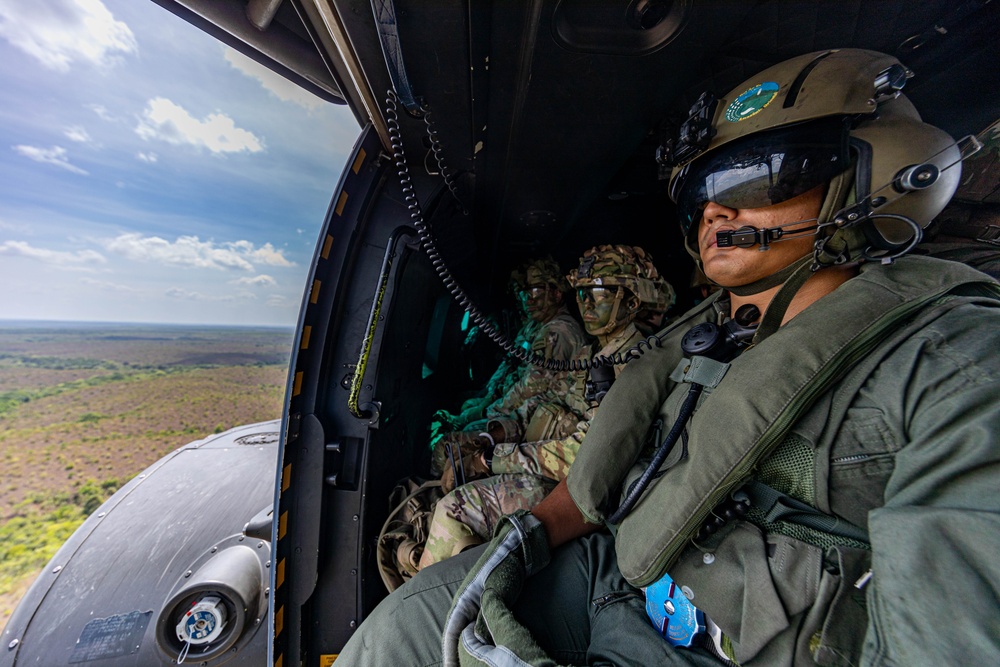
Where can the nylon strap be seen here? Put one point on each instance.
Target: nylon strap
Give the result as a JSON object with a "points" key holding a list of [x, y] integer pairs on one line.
{"points": [[776, 310], [779, 506], [768, 282]]}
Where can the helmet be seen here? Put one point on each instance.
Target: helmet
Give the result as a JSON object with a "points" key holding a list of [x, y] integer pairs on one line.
{"points": [[627, 267], [663, 297], [831, 117], [541, 271], [618, 266]]}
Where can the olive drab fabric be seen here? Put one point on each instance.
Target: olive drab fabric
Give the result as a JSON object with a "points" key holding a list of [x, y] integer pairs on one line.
{"points": [[807, 349], [553, 405], [838, 451]]}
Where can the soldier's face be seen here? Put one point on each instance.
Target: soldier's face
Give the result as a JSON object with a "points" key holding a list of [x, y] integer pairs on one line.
{"points": [[735, 266], [650, 321], [596, 305], [540, 302]]}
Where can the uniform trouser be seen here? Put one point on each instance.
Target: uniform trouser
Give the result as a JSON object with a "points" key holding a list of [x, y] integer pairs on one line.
{"points": [[579, 609], [468, 514]]}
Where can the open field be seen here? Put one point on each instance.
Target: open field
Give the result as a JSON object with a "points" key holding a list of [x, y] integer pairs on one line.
{"points": [[85, 407]]}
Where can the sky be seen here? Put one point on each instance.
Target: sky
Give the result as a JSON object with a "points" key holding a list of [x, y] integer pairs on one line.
{"points": [[148, 173]]}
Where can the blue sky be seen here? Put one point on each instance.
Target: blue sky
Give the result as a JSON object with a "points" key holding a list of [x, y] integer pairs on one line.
{"points": [[149, 173]]}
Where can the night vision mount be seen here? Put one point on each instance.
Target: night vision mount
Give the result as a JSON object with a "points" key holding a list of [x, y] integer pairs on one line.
{"points": [[693, 139]]}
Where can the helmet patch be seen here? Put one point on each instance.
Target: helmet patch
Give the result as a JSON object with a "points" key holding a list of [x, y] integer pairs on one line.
{"points": [[752, 102]]}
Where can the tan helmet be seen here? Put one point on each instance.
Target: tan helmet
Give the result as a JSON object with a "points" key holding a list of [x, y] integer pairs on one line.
{"points": [[833, 117]]}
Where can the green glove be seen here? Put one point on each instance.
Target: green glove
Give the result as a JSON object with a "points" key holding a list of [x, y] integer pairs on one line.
{"points": [[481, 629]]}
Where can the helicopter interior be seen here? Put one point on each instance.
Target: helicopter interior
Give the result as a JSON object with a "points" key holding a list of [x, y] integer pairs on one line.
{"points": [[513, 130]]}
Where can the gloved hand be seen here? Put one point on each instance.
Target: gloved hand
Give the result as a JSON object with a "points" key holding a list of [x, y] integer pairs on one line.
{"points": [[480, 621], [472, 466]]}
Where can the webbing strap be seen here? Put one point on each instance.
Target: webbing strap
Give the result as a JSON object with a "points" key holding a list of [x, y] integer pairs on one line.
{"points": [[778, 506], [779, 304], [770, 281]]}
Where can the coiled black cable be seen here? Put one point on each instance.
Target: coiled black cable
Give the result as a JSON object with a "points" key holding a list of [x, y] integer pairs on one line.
{"points": [[451, 284], [437, 149]]}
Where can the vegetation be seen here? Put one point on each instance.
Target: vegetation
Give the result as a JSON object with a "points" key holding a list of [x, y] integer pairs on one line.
{"points": [[41, 524], [84, 410]]}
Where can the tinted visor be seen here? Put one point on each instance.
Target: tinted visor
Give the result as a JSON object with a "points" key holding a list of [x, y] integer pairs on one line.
{"points": [[763, 169]]}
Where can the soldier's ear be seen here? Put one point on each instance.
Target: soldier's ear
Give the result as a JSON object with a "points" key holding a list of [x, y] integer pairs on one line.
{"points": [[634, 303]]}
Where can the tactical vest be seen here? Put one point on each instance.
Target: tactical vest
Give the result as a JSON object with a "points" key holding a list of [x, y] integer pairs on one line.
{"points": [[774, 416]]}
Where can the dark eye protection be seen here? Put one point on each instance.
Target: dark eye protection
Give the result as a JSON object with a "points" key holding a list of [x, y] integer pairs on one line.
{"points": [[763, 169]]}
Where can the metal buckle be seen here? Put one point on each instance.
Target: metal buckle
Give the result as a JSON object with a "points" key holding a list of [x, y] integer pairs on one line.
{"points": [[990, 235]]}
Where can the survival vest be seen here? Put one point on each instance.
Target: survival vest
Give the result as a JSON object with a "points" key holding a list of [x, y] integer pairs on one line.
{"points": [[751, 411]]}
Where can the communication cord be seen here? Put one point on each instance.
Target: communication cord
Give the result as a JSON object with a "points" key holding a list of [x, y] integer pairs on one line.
{"points": [[451, 284]]}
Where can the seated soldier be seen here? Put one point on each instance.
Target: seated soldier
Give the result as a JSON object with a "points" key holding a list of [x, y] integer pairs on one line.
{"points": [[555, 335], [506, 374], [612, 284], [831, 498]]}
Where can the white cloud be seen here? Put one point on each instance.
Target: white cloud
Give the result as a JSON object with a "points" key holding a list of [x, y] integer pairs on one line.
{"points": [[77, 134], [147, 157], [278, 85], [258, 281], [187, 295], [101, 111], [266, 254], [60, 32], [193, 252], [109, 286], [277, 300], [169, 122], [56, 156], [54, 257], [20, 228]]}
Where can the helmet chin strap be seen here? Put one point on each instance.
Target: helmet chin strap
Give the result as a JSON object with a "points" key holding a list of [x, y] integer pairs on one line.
{"points": [[613, 322]]}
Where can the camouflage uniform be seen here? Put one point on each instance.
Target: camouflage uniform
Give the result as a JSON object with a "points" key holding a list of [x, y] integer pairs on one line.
{"points": [[559, 338], [527, 472]]}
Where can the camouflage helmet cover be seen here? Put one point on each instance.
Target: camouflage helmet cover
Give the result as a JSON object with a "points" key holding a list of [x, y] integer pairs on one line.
{"points": [[540, 271], [625, 266]]}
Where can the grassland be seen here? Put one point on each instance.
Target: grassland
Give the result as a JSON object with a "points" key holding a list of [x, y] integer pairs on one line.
{"points": [[84, 408]]}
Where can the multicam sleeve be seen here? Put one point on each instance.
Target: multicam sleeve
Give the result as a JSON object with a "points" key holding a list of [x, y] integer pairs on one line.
{"points": [[545, 458], [561, 338]]}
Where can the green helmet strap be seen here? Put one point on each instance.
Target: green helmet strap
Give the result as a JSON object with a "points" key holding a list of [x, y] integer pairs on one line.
{"points": [[775, 313], [767, 282]]}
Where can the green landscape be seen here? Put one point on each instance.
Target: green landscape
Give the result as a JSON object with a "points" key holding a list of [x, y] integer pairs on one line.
{"points": [[85, 407]]}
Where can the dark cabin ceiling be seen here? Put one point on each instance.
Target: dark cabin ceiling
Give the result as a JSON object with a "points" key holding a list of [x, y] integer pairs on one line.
{"points": [[545, 126]]}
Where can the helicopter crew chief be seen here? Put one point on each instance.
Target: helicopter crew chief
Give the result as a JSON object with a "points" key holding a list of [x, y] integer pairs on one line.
{"points": [[830, 493], [613, 283]]}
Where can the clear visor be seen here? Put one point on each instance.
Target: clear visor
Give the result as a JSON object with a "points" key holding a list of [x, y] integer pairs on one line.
{"points": [[763, 169]]}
